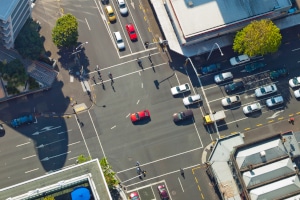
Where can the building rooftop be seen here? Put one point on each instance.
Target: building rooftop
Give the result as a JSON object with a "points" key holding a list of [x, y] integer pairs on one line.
{"points": [[6, 7], [90, 172]]}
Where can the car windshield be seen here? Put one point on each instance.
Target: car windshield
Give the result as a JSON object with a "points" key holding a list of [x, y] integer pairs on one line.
{"points": [[263, 90], [249, 108], [232, 86], [134, 198], [119, 41], [237, 98], [132, 32], [122, 6], [221, 76], [180, 115], [137, 115], [178, 89], [190, 99], [228, 100], [111, 14], [273, 101], [295, 81], [237, 59]]}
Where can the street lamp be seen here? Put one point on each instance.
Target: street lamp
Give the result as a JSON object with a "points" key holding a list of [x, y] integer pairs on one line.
{"points": [[186, 61], [81, 45], [213, 49]]}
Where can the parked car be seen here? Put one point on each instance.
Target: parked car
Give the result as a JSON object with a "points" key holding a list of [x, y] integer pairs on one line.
{"points": [[119, 41], [211, 68], [27, 119], [219, 78], [180, 89], [297, 93], [232, 87], [228, 101], [265, 90], [180, 116], [294, 82], [251, 108], [122, 7], [278, 73], [192, 99], [254, 66], [131, 32], [144, 114], [274, 101], [134, 196], [239, 60], [163, 193]]}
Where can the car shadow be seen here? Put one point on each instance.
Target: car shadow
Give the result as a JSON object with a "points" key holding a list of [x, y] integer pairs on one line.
{"points": [[182, 95], [185, 122], [142, 122], [254, 114]]}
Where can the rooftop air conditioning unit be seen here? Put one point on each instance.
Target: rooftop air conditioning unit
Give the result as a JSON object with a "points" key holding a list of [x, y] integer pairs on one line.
{"points": [[262, 154]]}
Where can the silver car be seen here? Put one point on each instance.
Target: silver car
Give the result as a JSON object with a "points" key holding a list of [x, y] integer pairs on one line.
{"points": [[192, 99], [228, 101], [219, 78], [265, 90], [239, 60], [274, 101], [294, 82], [251, 108], [119, 40]]}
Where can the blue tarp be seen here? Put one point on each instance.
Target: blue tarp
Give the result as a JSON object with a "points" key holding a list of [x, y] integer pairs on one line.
{"points": [[81, 193]]}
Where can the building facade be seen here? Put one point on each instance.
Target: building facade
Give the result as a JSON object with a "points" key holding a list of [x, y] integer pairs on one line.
{"points": [[13, 15]]}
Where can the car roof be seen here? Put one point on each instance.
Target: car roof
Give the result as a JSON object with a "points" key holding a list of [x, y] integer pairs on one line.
{"points": [[109, 8], [118, 35]]}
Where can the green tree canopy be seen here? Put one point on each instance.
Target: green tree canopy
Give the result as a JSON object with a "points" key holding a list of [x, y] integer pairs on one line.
{"points": [[65, 32], [258, 38], [109, 174], [29, 43], [81, 159]]}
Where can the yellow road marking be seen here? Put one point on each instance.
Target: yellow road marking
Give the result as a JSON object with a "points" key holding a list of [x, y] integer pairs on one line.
{"points": [[202, 196], [280, 118], [259, 125], [291, 115], [149, 29], [270, 121], [196, 180], [233, 133], [199, 188], [145, 18], [298, 113], [246, 129]]}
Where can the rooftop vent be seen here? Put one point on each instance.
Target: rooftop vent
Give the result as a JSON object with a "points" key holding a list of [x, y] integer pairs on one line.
{"points": [[262, 154]]}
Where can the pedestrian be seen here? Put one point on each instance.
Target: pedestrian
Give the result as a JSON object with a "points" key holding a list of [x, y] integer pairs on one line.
{"points": [[144, 173], [110, 75], [138, 170], [137, 163], [182, 172], [292, 120]]}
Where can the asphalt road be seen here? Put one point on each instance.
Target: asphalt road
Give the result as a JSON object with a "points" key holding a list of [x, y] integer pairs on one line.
{"points": [[161, 146]]}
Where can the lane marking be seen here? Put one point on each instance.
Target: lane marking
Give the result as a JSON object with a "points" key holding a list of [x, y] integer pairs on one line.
{"points": [[31, 170], [113, 127], [246, 129], [138, 102], [79, 126], [87, 24], [19, 145], [28, 157], [73, 143], [128, 115], [180, 184], [258, 125], [72, 158], [296, 49], [280, 118], [142, 85]]}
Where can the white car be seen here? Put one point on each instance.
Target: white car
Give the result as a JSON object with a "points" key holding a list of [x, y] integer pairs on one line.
{"points": [[219, 78], [191, 99], [265, 90], [228, 101], [123, 7], [119, 40], [251, 108], [294, 82], [297, 93], [180, 89], [274, 101], [239, 60]]}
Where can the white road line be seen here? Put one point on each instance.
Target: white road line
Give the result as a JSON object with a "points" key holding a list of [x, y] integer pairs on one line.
{"points": [[82, 136], [146, 186], [28, 157], [142, 85], [71, 78], [139, 52], [31, 170], [138, 102], [216, 99], [128, 115], [73, 158], [19, 145], [64, 132], [87, 23], [73, 143], [180, 184], [161, 159], [210, 87], [113, 127], [296, 49]]}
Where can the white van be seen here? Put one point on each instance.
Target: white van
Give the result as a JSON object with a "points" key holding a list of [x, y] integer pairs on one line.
{"points": [[123, 7], [119, 40]]}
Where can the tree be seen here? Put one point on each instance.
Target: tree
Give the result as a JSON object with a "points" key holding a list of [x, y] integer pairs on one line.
{"points": [[29, 43], [65, 32], [108, 173], [81, 159], [258, 38]]}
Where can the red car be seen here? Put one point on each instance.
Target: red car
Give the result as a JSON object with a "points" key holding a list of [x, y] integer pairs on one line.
{"points": [[163, 192], [134, 196], [140, 115], [131, 31]]}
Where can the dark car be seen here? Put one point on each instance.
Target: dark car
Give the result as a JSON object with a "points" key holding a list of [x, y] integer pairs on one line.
{"points": [[254, 66], [163, 192], [211, 68], [278, 73], [232, 87], [2, 129], [182, 115]]}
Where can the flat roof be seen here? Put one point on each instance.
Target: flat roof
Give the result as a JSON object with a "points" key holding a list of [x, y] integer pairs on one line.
{"points": [[6, 8], [199, 16], [90, 170]]}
